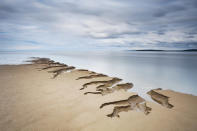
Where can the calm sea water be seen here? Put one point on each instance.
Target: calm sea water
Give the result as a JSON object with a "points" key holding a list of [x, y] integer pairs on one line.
{"points": [[147, 70]]}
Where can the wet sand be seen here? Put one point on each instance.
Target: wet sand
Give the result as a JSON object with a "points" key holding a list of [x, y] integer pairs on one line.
{"points": [[31, 101]]}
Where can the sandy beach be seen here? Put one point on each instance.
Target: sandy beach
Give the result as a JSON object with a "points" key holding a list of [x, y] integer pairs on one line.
{"points": [[30, 100]]}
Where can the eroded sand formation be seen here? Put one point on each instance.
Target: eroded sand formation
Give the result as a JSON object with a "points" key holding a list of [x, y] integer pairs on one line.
{"points": [[92, 76], [125, 86], [59, 71], [134, 102], [56, 66], [37, 60], [104, 87], [82, 70], [160, 98], [106, 83], [101, 92], [105, 91]]}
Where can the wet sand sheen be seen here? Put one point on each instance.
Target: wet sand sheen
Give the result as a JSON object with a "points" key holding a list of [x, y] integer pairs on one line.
{"points": [[31, 100]]}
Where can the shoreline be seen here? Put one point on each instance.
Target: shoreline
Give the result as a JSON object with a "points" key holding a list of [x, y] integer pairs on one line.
{"points": [[30, 99], [87, 69], [144, 71]]}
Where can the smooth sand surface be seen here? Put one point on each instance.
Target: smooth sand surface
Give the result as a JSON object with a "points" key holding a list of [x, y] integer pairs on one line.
{"points": [[31, 101]]}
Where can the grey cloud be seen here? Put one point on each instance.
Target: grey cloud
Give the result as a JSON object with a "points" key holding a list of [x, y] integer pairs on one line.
{"points": [[114, 35], [177, 45], [7, 8], [170, 9], [161, 32], [72, 21]]}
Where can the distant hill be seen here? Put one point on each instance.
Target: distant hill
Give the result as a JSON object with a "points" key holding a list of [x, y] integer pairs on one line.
{"points": [[149, 50], [187, 50]]}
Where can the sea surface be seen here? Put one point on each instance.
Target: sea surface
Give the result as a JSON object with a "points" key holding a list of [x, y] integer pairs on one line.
{"points": [[146, 70]]}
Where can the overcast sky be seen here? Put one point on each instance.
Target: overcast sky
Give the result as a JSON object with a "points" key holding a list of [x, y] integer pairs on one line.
{"points": [[97, 24]]}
